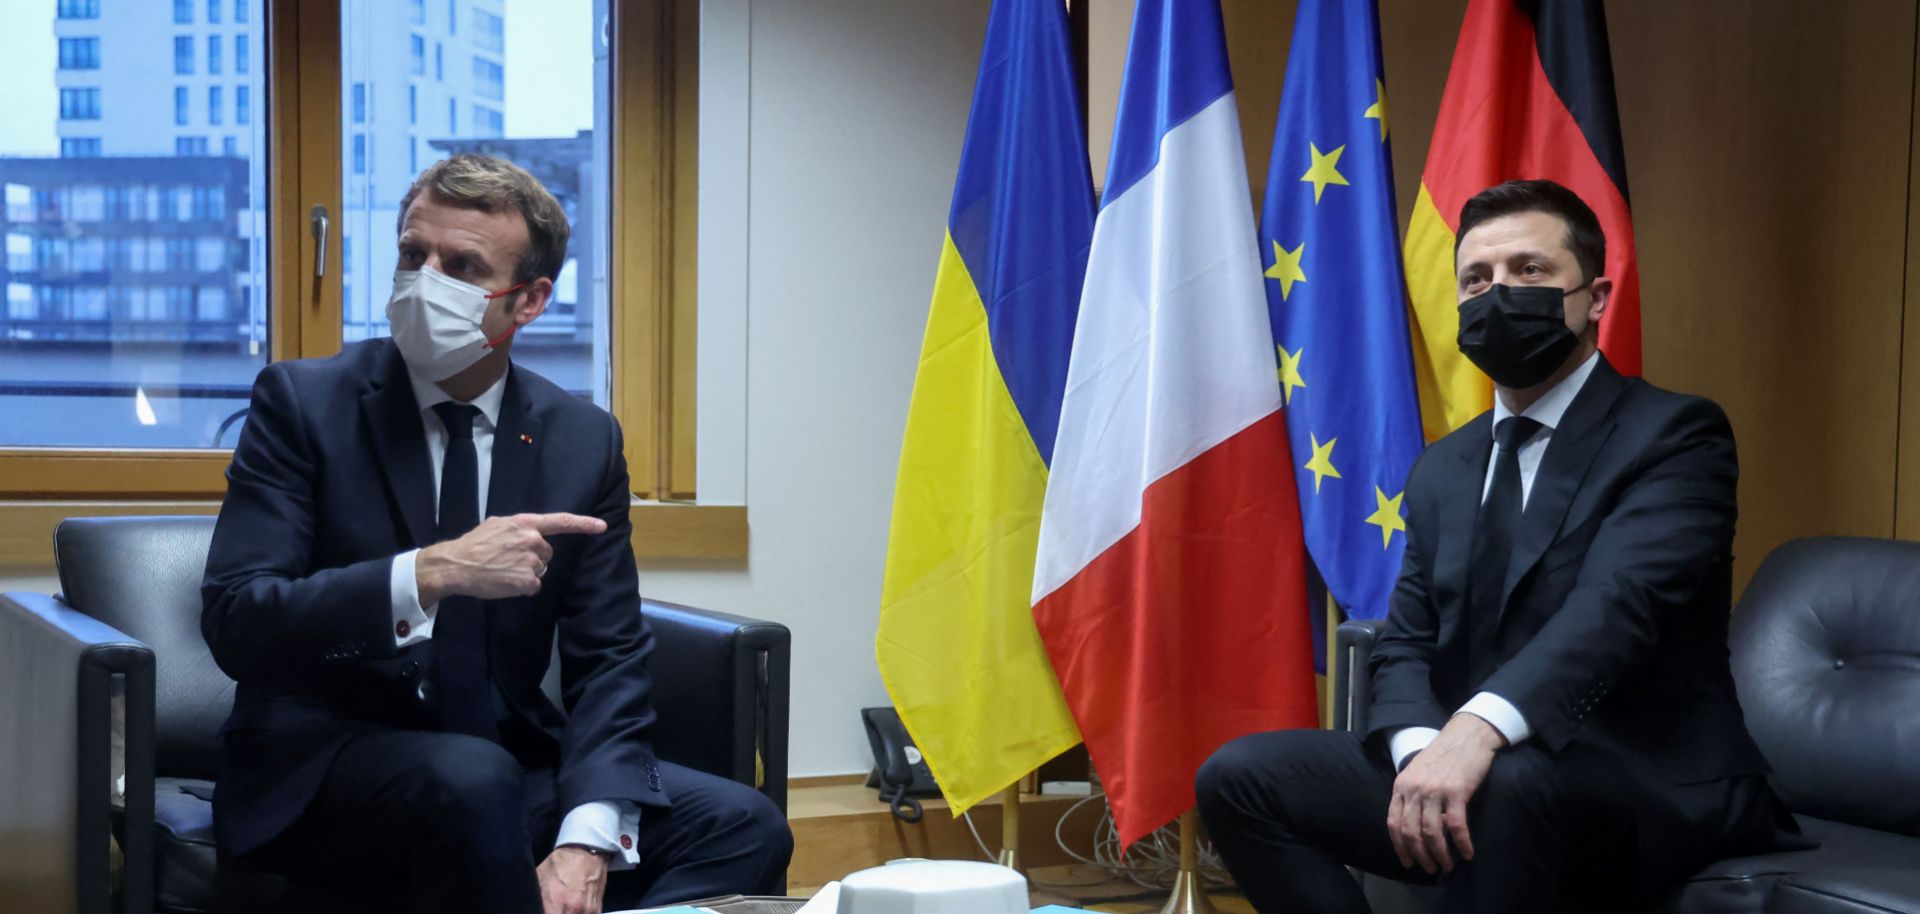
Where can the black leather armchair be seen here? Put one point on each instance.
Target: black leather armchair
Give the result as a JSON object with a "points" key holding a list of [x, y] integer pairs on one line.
{"points": [[1825, 649], [128, 625]]}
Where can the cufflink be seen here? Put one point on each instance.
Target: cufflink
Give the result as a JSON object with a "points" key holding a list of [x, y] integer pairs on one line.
{"points": [[626, 842], [402, 628]]}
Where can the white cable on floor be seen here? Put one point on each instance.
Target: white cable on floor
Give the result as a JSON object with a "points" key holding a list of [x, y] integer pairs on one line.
{"points": [[1153, 862]]}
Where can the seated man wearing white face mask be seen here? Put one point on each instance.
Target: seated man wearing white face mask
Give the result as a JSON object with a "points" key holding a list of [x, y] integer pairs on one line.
{"points": [[407, 527]]}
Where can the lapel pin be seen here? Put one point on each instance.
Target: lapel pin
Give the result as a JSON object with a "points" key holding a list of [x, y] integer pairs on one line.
{"points": [[526, 439]]}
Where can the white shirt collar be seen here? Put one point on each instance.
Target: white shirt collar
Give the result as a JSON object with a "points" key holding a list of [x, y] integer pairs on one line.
{"points": [[1552, 405], [428, 395]]}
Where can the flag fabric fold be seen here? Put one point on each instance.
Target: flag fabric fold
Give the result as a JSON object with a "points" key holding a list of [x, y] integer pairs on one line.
{"points": [[1338, 304], [957, 646], [1529, 95], [1169, 588]]}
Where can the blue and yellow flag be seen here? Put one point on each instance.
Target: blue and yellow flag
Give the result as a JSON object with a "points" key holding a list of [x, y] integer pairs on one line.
{"points": [[1337, 298], [957, 645]]}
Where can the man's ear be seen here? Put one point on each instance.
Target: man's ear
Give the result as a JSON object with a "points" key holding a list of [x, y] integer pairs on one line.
{"points": [[1601, 295], [532, 301]]}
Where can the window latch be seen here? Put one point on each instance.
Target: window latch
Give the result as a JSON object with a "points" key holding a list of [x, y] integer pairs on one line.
{"points": [[317, 223]]}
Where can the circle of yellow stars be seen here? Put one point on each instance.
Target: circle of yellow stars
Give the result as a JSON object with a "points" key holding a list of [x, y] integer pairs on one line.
{"points": [[1288, 269]]}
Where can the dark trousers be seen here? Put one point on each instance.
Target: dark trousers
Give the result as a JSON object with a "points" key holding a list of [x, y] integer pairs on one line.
{"points": [[427, 822], [1288, 811]]}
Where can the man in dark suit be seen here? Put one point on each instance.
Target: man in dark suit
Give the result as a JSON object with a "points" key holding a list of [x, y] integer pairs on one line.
{"points": [[1552, 717], [389, 737]]}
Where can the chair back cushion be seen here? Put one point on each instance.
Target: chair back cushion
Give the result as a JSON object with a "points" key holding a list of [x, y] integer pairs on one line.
{"points": [[141, 575], [1826, 654]]}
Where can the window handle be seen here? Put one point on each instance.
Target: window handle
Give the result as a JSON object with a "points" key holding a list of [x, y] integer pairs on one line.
{"points": [[317, 223]]}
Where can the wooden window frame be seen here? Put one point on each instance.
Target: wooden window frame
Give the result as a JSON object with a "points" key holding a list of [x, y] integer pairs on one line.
{"points": [[652, 320]]}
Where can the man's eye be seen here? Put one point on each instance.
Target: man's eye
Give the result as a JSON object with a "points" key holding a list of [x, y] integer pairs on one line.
{"points": [[1534, 269]]}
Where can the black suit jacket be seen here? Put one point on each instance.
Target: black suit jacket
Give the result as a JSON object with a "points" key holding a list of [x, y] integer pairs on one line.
{"points": [[1613, 629], [330, 481]]}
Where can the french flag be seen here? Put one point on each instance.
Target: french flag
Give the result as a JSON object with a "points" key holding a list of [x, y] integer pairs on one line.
{"points": [[1169, 588]]}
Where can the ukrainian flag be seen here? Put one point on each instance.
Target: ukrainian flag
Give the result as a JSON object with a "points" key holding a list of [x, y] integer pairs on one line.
{"points": [[1337, 300], [957, 645]]}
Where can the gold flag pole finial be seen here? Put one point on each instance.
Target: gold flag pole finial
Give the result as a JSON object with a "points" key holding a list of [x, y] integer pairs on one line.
{"points": [[1189, 888]]}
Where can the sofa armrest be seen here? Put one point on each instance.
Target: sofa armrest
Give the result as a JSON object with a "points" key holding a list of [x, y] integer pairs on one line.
{"points": [[720, 686], [1353, 684], [56, 758]]}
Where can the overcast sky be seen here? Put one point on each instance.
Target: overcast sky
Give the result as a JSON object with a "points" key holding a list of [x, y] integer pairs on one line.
{"points": [[549, 71]]}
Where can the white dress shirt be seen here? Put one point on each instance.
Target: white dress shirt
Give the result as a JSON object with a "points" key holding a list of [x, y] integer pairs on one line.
{"points": [[607, 825], [1548, 411]]}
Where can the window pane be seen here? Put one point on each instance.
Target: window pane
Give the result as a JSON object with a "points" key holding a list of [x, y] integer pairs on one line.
{"points": [[549, 115], [134, 307]]}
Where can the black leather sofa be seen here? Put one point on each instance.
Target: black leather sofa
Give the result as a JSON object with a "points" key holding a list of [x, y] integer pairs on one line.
{"points": [[1825, 648], [126, 632]]}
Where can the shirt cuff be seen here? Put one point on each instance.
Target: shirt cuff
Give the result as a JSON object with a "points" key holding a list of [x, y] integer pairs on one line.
{"points": [[412, 623], [1408, 740], [1501, 714], [608, 825]]}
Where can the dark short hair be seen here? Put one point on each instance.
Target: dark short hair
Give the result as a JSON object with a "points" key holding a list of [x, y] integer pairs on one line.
{"points": [[1584, 236], [493, 184]]}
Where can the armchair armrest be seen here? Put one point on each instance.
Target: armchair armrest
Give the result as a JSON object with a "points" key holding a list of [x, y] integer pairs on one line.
{"points": [[720, 686], [56, 758], [1353, 686]]}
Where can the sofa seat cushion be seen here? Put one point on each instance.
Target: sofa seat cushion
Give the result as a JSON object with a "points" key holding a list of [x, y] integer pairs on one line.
{"points": [[183, 844], [1740, 885], [1848, 891]]}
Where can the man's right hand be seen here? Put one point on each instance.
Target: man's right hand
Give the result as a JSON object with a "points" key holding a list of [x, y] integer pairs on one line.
{"points": [[503, 557]]}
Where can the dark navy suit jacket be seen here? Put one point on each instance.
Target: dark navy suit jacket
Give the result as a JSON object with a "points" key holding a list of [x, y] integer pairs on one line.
{"points": [[1613, 626], [329, 482]]}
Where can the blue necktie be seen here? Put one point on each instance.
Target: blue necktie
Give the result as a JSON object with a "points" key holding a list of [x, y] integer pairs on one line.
{"points": [[460, 627]]}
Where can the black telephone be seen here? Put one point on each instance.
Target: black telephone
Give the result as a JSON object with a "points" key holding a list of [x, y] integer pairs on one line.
{"points": [[899, 770]]}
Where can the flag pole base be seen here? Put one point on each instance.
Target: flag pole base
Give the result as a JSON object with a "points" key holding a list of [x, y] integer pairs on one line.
{"points": [[1010, 859], [1189, 896]]}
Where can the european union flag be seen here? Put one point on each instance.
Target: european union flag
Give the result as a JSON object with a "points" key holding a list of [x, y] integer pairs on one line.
{"points": [[1337, 300]]}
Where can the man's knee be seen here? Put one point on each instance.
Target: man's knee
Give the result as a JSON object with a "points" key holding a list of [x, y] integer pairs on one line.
{"points": [[1522, 779], [470, 783]]}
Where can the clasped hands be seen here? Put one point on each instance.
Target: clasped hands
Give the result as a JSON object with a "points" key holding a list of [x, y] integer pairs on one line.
{"points": [[1430, 795], [502, 557]]}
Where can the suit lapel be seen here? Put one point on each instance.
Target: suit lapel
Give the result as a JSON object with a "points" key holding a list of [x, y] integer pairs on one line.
{"points": [[516, 449], [1575, 442], [1459, 505], [392, 417]]}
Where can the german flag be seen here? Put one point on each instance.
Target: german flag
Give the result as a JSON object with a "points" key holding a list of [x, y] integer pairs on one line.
{"points": [[1530, 95]]}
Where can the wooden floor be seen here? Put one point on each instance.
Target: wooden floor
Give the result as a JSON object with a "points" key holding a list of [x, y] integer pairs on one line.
{"points": [[841, 826]]}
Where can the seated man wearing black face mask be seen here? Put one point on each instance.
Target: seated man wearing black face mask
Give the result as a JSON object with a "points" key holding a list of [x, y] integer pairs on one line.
{"points": [[1552, 713], [408, 527]]}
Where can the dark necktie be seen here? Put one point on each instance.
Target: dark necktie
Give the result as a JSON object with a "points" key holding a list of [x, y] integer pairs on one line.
{"points": [[460, 626], [1493, 530]]}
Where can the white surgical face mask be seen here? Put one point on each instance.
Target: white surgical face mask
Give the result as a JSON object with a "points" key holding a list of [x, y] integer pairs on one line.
{"points": [[436, 321]]}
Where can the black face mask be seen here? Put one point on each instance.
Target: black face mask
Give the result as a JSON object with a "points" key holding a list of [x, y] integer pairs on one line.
{"points": [[1517, 334]]}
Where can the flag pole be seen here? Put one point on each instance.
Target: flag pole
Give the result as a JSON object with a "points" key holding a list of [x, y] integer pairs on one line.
{"points": [[1333, 655], [1189, 890], [1010, 827]]}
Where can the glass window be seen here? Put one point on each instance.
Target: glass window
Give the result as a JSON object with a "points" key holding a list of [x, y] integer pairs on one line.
{"points": [[489, 79], [79, 104], [242, 59], [180, 106], [418, 46], [453, 17], [190, 146], [183, 55], [79, 53], [216, 110], [558, 133], [79, 147], [210, 255], [488, 122], [229, 145], [79, 9], [490, 31], [19, 253], [242, 105], [182, 12], [240, 8], [359, 103], [417, 11], [213, 10], [213, 53], [89, 203], [439, 62]]}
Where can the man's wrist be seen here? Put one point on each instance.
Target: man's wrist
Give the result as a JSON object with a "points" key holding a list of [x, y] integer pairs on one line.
{"points": [[425, 577], [1482, 730], [605, 854]]}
